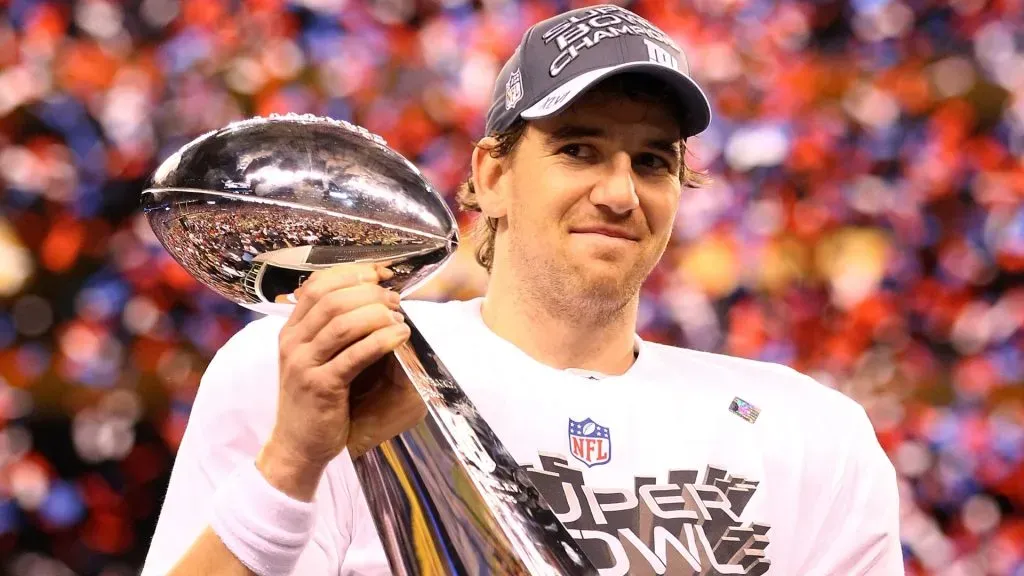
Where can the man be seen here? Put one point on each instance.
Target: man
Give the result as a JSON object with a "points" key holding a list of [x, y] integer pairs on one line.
{"points": [[656, 459]]}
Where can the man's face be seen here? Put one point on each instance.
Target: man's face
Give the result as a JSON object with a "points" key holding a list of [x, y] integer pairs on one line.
{"points": [[592, 196]]}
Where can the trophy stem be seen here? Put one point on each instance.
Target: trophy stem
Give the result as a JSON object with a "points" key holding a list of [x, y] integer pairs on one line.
{"points": [[448, 498]]}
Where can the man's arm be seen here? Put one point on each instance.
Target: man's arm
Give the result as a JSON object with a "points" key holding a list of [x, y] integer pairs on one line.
{"points": [[209, 554], [272, 413], [230, 420], [860, 533]]}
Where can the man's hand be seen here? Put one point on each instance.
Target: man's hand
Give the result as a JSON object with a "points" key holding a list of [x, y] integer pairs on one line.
{"points": [[384, 404], [339, 383]]}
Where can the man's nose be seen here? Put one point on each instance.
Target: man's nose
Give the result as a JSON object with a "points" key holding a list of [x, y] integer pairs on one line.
{"points": [[616, 190]]}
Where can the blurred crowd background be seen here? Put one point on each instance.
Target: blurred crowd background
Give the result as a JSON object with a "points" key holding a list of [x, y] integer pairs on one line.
{"points": [[865, 225]]}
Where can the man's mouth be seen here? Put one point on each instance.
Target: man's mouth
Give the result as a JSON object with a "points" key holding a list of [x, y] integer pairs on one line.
{"points": [[606, 230]]}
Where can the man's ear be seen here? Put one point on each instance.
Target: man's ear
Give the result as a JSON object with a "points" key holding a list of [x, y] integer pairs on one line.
{"points": [[489, 181]]}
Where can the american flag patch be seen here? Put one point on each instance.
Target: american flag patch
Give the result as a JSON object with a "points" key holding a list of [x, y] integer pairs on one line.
{"points": [[744, 409]]}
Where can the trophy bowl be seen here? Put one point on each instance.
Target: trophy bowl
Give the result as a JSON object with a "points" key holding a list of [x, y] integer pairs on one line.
{"points": [[252, 209]]}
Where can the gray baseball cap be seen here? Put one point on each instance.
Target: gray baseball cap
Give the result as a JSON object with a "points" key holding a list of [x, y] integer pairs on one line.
{"points": [[562, 57]]}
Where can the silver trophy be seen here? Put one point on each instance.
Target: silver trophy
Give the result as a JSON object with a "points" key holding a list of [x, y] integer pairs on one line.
{"points": [[251, 211]]}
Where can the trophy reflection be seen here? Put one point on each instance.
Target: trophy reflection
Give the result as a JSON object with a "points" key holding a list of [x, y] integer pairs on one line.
{"points": [[251, 211]]}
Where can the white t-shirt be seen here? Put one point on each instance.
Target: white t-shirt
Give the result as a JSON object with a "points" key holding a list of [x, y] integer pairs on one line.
{"points": [[689, 460]]}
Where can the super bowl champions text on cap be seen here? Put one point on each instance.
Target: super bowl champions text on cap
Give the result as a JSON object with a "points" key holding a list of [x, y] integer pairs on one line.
{"points": [[580, 32]]}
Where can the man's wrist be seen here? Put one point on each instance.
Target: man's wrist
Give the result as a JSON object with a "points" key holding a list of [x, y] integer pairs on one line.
{"points": [[291, 475], [265, 528]]}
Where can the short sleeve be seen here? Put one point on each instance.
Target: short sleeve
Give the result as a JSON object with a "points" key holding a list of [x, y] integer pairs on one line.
{"points": [[859, 534]]}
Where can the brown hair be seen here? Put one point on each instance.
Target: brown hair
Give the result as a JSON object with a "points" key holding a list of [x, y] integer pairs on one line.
{"points": [[635, 87]]}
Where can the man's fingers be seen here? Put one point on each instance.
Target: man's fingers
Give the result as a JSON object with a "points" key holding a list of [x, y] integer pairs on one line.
{"points": [[323, 282], [383, 413], [345, 329], [341, 302], [359, 355]]}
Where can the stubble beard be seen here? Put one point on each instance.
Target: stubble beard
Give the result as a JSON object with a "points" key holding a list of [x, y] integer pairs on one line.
{"points": [[567, 289]]}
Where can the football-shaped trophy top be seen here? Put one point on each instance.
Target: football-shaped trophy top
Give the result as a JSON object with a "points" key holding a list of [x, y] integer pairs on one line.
{"points": [[252, 209]]}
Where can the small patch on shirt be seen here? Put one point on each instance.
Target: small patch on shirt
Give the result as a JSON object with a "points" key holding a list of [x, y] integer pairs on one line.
{"points": [[744, 409]]}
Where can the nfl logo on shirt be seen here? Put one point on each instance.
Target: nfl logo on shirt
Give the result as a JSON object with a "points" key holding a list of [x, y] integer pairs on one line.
{"points": [[589, 442]]}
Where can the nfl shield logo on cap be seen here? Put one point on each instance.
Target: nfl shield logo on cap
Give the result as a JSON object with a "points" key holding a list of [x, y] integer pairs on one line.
{"points": [[589, 442], [513, 90]]}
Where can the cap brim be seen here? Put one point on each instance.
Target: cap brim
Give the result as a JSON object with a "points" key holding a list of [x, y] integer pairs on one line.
{"points": [[697, 109]]}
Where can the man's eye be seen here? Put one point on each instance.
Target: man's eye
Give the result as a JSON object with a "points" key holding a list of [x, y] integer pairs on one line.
{"points": [[576, 150], [653, 162]]}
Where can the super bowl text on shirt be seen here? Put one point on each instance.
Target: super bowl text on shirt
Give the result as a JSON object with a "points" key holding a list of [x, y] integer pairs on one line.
{"points": [[690, 525]]}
